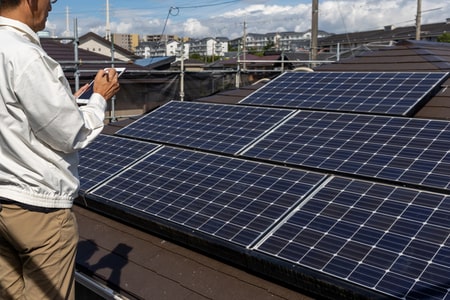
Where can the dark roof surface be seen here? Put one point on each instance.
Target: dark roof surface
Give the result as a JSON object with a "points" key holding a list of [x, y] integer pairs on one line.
{"points": [[90, 62], [389, 33], [146, 266]]}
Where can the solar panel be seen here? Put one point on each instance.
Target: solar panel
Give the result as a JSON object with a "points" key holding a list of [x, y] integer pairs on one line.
{"points": [[389, 239], [107, 155], [374, 92], [227, 198], [221, 128], [404, 150]]}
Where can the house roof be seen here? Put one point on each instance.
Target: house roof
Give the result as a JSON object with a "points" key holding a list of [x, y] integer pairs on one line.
{"points": [[152, 267], [389, 33], [256, 61], [406, 56], [156, 62], [93, 36], [89, 62]]}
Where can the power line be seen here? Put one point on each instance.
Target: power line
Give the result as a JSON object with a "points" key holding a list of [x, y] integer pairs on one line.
{"points": [[209, 5]]}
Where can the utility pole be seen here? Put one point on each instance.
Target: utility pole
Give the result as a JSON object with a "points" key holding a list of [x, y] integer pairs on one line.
{"points": [[314, 29], [108, 23], [418, 19], [244, 47]]}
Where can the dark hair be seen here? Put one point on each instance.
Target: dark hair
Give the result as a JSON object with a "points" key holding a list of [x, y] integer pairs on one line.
{"points": [[9, 3]]}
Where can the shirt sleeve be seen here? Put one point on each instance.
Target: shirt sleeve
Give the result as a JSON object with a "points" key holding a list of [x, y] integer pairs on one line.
{"points": [[51, 110]]}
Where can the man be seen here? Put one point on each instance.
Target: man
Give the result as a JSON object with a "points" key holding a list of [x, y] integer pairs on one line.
{"points": [[41, 129]]}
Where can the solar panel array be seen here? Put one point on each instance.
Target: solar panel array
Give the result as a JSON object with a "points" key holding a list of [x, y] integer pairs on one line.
{"points": [[293, 186], [215, 127], [364, 92], [224, 197], [387, 238], [404, 150], [106, 156]]}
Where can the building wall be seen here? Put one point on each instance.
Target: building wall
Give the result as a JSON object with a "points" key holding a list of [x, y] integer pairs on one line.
{"points": [[94, 46], [126, 41]]}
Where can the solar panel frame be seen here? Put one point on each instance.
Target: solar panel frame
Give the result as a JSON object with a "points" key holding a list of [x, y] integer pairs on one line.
{"points": [[395, 149], [386, 238], [106, 156], [213, 127], [387, 93], [222, 197]]}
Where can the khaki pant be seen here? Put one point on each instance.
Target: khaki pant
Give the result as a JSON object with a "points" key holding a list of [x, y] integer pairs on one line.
{"points": [[37, 253]]}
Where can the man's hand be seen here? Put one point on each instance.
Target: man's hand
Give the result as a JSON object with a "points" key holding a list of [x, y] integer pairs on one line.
{"points": [[81, 90], [106, 83]]}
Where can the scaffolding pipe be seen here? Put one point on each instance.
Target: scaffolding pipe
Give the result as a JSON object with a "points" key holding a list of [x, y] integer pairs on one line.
{"points": [[76, 44], [97, 288], [182, 72]]}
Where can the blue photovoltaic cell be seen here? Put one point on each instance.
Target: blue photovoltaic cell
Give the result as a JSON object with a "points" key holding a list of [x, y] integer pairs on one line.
{"points": [[215, 127], [106, 156], [224, 197], [374, 92], [386, 238], [410, 151]]}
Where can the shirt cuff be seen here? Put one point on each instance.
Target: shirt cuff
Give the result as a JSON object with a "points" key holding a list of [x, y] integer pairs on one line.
{"points": [[98, 100]]}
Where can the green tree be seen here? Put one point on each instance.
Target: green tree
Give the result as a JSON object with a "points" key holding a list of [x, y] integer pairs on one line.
{"points": [[444, 38], [269, 45]]}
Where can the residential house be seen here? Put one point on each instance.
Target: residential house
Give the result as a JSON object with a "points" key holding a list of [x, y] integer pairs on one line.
{"points": [[387, 36], [95, 43]]}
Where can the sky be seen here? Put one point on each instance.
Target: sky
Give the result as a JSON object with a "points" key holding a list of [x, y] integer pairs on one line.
{"points": [[226, 18]]}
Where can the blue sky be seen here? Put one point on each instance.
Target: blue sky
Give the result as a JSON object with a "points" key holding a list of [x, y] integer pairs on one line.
{"points": [[202, 18]]}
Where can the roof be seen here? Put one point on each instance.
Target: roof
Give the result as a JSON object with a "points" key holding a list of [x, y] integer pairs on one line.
{"points": [[389, 33], [256, 61], [156, 62], [64, 52], [150, 266], [144, 266], [93, 36], [407, 56], [231, 96]]}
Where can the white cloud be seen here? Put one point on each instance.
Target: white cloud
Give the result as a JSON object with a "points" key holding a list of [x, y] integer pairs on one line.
{"points": [[194, 28], [334, 16]]}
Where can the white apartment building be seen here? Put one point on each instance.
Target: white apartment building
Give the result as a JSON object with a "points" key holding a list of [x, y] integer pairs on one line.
{"points": [[281, 41], [162, 48], [209, 46]]}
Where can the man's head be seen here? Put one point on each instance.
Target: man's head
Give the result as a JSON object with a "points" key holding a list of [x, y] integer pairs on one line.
{"points": [[34, 13]]}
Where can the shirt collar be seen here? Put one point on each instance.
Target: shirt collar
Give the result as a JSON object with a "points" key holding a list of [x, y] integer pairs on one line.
{"points": [[20, 27]]}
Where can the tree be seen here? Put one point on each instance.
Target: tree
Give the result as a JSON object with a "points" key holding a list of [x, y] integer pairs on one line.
{"points": [[444, 38], [270, 45]]}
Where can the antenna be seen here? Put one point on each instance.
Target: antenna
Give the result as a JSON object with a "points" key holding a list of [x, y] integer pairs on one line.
{"points": [[108, 25], [67, 33]]}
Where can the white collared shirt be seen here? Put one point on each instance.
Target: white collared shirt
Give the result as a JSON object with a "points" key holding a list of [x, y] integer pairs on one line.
{"points": [[41, 126]]}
